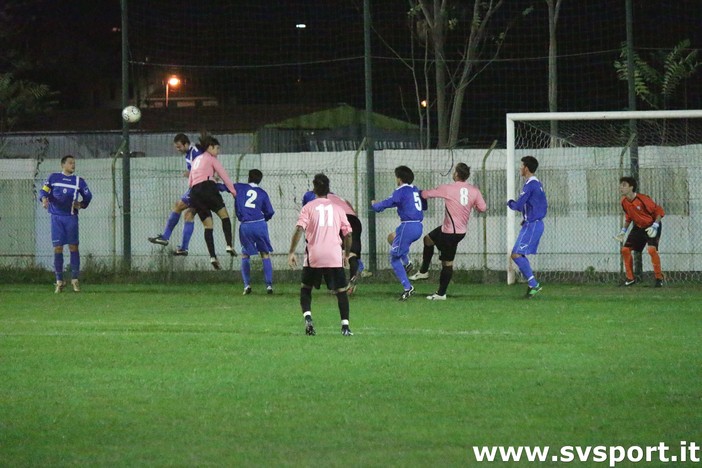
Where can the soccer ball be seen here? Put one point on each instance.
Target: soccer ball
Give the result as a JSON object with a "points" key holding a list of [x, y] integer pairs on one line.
{"points": [[131, 114]]}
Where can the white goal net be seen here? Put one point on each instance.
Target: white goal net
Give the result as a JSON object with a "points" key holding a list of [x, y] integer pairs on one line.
{"points": [[581, 158]]}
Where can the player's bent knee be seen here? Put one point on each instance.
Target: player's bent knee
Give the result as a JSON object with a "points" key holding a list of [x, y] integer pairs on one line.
{"points": [[515, 256], [179, 206], [652, 249]]}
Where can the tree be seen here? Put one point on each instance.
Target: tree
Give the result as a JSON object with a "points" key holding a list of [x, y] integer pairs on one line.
{"points": [[20, 100], [657, 81], [459, 44]]}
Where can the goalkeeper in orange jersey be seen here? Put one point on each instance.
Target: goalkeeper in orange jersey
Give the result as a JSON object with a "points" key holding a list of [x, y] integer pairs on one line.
{"points": [[646, 216]]}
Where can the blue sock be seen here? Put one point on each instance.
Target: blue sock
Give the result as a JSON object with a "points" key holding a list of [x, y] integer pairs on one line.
{"points": [[268, 271], [246, 270], [75, 264], [170, 225], [400, 272], [58, 266], [361, 266], [188, 229], [525, 268]]}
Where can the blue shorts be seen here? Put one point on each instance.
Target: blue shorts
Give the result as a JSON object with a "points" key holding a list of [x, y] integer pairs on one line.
{"points": [[254, 238], [405, 234], [64, 230], [186, 198], [529, 237]]}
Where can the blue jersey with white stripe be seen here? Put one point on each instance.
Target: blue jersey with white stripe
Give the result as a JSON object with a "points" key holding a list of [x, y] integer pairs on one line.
{"points": [[532, 201], [252, 203], [62, 191], [190, 155], [406, 198]]}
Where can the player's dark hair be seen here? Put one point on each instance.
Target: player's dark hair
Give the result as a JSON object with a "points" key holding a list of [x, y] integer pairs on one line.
{"points": [[629, 180], [405, 174], [463, 171], [321, 185], [181, 138], [207, 141], [63, 159], [531, 163], [255, 176]]}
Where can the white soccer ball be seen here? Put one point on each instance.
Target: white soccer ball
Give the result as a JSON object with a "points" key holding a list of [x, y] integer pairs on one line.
{"points": [[131, 114]]}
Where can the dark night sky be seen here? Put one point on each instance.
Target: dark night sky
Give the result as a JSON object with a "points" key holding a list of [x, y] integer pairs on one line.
{"points": [[250, 50]]}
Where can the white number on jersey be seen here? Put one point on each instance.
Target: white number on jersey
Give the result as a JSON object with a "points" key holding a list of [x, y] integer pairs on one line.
{"points": [[417, 201], [252, 195], [326, 218], [464, 196]]}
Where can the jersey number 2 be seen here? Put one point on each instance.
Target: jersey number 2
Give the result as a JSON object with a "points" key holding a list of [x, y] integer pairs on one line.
{"points": [[251, 194]]}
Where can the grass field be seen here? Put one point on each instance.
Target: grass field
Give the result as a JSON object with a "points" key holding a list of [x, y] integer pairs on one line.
{"points": [[129, 375]]}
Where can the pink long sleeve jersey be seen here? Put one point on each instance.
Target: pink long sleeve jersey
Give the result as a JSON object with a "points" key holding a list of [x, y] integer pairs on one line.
{"points": [[460, 198], [205, 167]]}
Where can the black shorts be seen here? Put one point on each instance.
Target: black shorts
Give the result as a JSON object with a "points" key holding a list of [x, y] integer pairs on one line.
{"points": [[638, 238], [446, 243], [355, 234], [335, 278], [206, 198]]}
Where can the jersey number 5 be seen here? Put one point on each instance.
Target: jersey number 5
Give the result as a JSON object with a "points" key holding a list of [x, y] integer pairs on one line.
{"points": [[417, 201]]}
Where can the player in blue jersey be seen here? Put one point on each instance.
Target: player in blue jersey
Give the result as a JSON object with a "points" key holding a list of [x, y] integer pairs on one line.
{"points": [[64, 194], [406, 198], [182, 145], [533, 206], [253, 210]]}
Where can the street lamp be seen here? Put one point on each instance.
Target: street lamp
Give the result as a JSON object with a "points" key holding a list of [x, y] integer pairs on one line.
{"points": [[299, 27], [172, 82]]}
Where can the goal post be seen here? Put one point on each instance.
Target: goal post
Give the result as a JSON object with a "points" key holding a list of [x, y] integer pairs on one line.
{"points": [[580, 160]]}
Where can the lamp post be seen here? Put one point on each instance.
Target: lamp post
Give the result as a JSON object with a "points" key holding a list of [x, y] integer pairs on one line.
{"points": [[172, 82], [424, 123], [299, 27]]}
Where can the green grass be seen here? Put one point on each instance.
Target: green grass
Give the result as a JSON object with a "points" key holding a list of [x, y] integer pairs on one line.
{"points": [[128, 375]]}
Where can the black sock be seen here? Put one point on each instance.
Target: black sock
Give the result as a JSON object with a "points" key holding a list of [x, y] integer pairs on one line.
{"points": [[306, 299], [444, 279], [343, 300], [426, 258], [353, 266], [227, 228], [209, 240]]}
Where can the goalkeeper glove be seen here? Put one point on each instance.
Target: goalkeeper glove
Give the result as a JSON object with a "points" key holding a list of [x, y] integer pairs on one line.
{"points": [[620, 237], [652, 230]]}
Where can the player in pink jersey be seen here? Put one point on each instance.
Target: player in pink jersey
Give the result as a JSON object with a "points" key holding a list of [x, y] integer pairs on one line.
{"points": [[460, 198], [356, 265], [321, 221], [205, 196]]}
